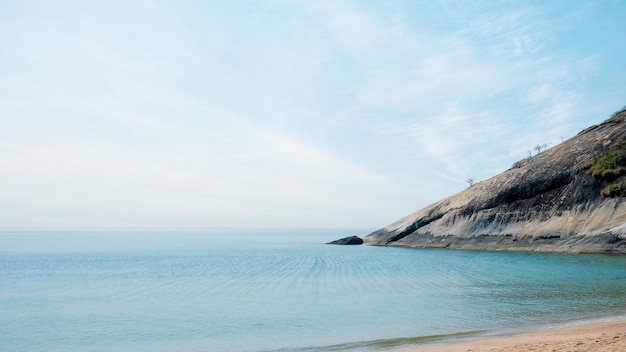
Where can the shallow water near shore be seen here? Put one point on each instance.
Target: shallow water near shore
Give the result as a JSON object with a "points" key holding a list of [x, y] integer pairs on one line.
{"points": [[280, 290]]}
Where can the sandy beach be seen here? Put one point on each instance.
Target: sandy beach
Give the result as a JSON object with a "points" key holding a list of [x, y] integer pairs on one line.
{"points": [[600, 337]]}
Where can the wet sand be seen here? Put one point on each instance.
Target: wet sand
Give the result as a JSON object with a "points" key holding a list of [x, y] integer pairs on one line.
{"points": [[599, 337]]}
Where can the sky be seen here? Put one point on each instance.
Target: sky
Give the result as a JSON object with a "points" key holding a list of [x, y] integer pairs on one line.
{"points": [[192, 114]]}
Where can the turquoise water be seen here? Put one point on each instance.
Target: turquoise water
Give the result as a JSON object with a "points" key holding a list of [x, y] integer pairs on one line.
{"points": [[279, 290]]}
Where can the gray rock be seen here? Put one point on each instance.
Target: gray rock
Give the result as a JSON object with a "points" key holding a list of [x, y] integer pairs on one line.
{"points": [[350, 240], [547, 202]]}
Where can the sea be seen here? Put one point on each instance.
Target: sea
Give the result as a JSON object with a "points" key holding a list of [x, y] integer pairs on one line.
{"points": [[269, 290]]}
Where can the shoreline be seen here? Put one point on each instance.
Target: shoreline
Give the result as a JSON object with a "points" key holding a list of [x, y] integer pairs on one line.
{"points": [[606, 336]]}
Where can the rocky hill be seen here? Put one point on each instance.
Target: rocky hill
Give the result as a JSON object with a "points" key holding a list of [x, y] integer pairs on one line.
{"points": [[569, 198]]}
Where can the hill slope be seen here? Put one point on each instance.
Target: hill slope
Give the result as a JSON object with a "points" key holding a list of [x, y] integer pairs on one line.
{"points": [[569, 198]]}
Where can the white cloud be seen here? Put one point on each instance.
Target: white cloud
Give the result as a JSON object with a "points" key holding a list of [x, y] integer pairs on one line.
{"points": [[539, 93]]}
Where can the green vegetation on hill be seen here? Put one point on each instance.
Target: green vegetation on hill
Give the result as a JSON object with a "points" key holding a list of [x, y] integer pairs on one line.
{"points": [[611, 166], [617, 189]]}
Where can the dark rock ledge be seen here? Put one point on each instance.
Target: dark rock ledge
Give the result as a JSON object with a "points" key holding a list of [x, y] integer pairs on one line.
{"points": [[350, 240]]}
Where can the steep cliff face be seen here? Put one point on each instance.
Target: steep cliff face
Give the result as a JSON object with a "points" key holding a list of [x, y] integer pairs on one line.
{"points": [[569, 198]]}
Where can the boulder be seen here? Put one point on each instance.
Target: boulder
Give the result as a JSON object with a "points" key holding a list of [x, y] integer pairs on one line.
{"points": [[350, 240]]}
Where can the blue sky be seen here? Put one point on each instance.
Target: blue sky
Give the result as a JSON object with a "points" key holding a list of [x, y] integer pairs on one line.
{"points": [[286, 113]]}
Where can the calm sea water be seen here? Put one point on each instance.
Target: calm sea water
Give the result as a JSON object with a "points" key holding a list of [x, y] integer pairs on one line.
{"points": [[279, 290]]}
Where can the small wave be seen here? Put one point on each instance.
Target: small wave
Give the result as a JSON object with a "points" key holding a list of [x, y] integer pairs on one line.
{"points": [[384, 344]]}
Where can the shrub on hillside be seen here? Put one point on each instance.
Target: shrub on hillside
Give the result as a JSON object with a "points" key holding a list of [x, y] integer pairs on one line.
{"points": [[611, 164], [617, 189]]}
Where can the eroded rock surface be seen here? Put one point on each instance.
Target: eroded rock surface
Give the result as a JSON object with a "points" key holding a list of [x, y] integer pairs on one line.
{"points": [[548, 202]]}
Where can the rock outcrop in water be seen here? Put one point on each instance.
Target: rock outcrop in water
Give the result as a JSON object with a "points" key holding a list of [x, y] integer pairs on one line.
{"points": [[350, 240], [569, 198]]}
